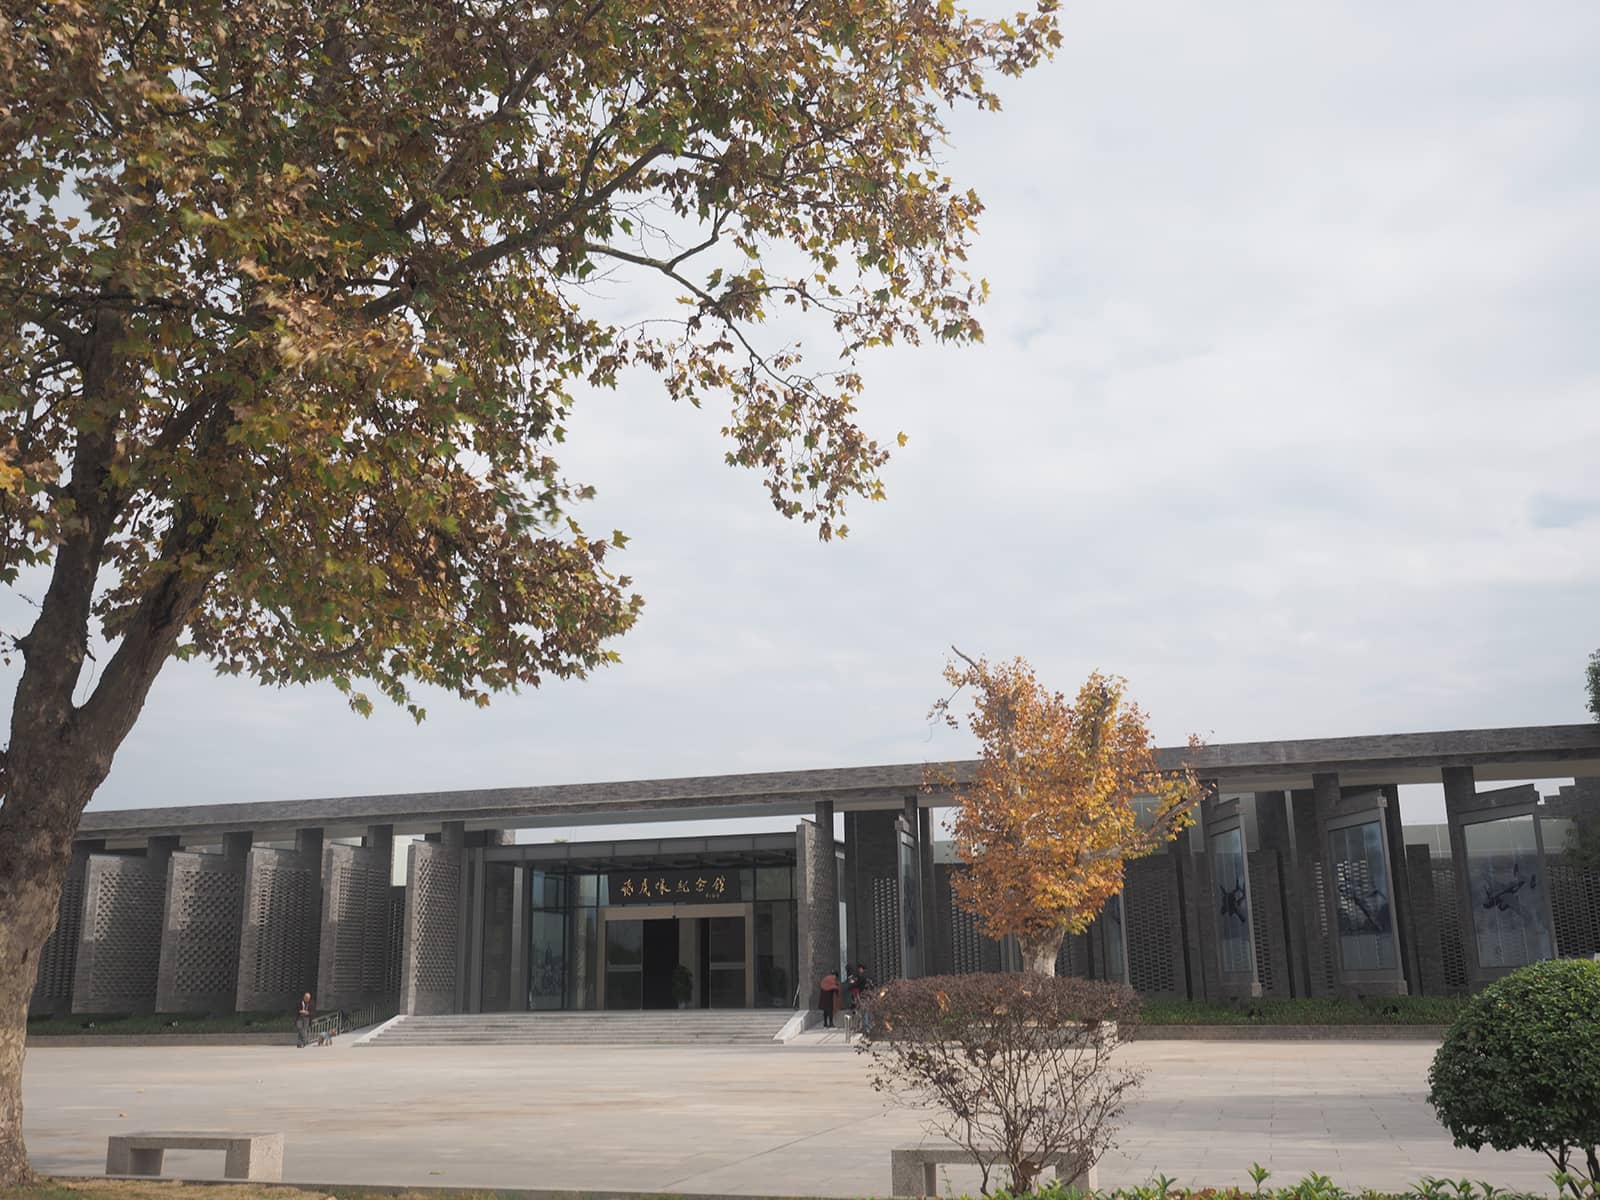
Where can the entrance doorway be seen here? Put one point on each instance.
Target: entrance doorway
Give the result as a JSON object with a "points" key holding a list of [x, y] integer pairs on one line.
{"points": [[677, 956], [662, 946]]}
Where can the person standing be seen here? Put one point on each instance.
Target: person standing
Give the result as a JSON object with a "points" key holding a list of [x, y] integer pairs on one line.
{"points": [[828, 1000], [302, 1021], [863, 990]]}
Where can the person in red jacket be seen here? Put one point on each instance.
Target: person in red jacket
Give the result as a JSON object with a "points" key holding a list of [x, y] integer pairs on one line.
{"points": [[828, 1001]]}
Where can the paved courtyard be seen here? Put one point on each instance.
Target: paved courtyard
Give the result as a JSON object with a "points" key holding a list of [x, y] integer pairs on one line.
{"points": [[797, 1121]]}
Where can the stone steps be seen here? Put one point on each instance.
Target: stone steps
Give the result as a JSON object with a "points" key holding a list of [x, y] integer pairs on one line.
{"points": [[676, 1028]]}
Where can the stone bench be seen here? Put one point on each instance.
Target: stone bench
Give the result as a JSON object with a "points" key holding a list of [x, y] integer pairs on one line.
{"points": [[912, 1169], [249, 1155]]}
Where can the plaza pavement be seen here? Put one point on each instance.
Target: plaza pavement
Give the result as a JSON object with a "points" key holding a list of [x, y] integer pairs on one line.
{"points": [[741, 1120]]}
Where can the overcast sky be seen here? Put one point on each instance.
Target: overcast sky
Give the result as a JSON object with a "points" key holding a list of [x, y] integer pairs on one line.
{"points": [[1289, 411]]}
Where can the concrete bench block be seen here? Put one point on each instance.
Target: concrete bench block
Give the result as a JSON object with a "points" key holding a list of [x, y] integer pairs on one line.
{"points": [[913, 1169], [247, 1155]]}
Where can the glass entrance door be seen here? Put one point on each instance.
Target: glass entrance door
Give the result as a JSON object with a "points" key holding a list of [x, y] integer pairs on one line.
{"points": [[723, 957], [677, 956], [624, 964]]}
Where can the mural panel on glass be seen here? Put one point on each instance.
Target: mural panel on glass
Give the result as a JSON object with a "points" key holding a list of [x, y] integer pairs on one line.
{"points": [[1112, 939], [547, 958], [1229, 870], [1361, 897], [1507, 892]]}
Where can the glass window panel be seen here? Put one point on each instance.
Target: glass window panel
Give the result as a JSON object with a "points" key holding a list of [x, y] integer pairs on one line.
{"points": [[624, 964], [547, 958], [725, 953], [546, 889], [775, 955], [1361, 897], [587, 889], [725, 937], [624, 989], [772, 883], [1232, 903], [1507, 892], [624, 944]]}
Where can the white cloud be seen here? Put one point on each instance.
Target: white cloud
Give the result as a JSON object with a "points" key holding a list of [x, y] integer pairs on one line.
{"points": [[1292, 331]]}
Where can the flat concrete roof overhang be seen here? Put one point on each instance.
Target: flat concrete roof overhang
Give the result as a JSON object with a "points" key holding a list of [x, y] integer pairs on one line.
{"points": [[1538, 752]]}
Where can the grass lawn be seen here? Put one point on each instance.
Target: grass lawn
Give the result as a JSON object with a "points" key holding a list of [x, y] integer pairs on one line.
{"points": [[232, 1023], [1394, 1010], [1388, 1010], [166, 1189]]}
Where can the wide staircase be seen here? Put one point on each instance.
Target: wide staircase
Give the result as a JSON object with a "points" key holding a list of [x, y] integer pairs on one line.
{"points": [[719, 1027]]}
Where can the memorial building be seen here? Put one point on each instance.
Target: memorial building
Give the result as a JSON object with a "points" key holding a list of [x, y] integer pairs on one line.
{"points": [[1298, 879]]}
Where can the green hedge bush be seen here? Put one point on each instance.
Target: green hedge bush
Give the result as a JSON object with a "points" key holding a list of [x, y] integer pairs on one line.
{"points": [[1520, 1068]]}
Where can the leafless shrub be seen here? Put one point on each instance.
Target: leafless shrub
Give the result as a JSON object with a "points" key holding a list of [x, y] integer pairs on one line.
{"points": [[1016, 1068]]}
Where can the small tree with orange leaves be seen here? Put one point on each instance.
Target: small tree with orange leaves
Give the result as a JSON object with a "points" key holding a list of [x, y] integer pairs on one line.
{"points": [[1065, 794]]}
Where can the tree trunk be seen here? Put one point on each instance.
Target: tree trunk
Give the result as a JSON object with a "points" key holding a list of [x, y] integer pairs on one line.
{"points": [[36, 828], [58, 756], [1039, 953]]}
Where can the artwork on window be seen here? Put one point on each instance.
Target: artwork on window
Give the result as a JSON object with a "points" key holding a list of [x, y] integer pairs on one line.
{"points": [[1111, 915], [1364, 908], [1507, 892], [1228, 868]]}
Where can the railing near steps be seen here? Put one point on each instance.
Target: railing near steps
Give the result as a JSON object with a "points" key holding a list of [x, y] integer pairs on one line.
{"points": [[332, 1024]]}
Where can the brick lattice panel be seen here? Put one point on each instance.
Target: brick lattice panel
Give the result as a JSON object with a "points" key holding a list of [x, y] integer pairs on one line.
{"points": [[1260, 897], [395, 942], [433, 928], [200, 944], [1575, 902], [355, 949], [119, 953], [1323, 968], [278, 956], [52, 988], [1072, 960], [966, 942], [1150, 907], [1451, 950], [886, 927]]}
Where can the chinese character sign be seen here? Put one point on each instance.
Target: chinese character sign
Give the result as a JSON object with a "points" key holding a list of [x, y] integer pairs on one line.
{"points": [[707, 885]]}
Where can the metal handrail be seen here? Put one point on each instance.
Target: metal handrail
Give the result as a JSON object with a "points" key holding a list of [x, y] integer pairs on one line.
{"points": [[344, 1020]]}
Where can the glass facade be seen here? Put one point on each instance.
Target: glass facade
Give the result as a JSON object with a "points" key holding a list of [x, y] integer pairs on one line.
{"points": [[1362, 902], [1233, 903], [1509, 919], [578, 941]]}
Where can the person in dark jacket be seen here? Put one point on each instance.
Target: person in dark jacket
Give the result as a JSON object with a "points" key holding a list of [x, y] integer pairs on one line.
{"points": [[861, 986]]}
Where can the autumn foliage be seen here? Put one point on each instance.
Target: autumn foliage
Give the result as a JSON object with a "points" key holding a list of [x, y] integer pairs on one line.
{"points": [[1065, 793], [297, 298]]}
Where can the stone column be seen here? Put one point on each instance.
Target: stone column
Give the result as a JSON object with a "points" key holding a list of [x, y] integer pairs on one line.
{"points": [[824, 882], [1400, 881], [453, 836]]}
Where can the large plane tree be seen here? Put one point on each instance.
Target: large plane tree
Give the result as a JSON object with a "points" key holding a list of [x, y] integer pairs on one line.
{"points": [[295, 299]]}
